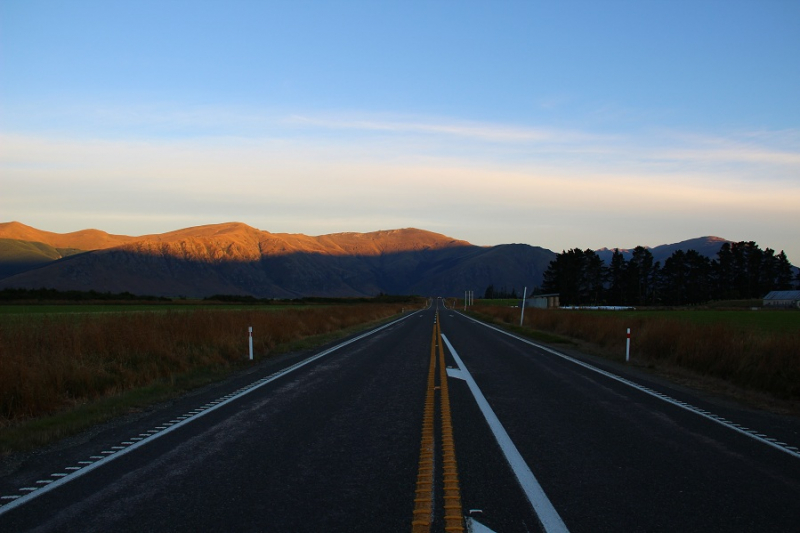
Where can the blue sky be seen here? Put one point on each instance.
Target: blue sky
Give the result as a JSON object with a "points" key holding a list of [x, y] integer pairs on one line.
{"points": [[559, 124]]}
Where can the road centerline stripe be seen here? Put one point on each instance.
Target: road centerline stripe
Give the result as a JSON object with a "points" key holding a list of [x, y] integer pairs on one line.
{"points": [[424, 494], [424, 501], [453, 513]]}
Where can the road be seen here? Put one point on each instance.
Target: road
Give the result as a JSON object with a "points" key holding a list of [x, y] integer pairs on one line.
{"points": [[337, 440]]}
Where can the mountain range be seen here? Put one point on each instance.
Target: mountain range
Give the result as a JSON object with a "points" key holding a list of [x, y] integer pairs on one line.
{"points": [[234, 258]]}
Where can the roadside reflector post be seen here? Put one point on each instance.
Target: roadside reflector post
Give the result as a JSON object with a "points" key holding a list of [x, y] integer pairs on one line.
{"points": [[250, 341], [522, 311], [628, 346]]}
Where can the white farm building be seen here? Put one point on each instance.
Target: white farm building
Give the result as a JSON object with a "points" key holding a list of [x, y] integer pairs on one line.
{"points": [[543, 301], [782, 299]]}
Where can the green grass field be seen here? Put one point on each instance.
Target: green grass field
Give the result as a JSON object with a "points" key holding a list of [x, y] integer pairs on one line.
{"points": [[10, 310], [761, 320]]}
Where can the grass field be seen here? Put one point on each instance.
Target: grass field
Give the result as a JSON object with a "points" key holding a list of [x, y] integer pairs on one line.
{"points": [[55, 309], [62, 371], [761, 320], [757, 350]]}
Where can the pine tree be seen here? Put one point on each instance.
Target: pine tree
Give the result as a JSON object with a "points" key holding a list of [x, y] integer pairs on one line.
{"points": [[616, 279], [489, 294], [783, 277]]}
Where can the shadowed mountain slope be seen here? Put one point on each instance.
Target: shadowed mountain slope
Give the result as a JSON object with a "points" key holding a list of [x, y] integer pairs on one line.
{"points": [[20, 256], [707, 246], [235, 258]]}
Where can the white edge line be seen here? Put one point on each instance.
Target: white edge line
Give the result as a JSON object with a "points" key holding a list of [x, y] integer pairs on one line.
{"points": [[549, 517], [259, 383], [654, 394]]}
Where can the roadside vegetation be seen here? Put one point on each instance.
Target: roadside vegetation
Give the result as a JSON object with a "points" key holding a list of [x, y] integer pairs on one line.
{"points": [[740, 271], [63, 371], [755, 350]]}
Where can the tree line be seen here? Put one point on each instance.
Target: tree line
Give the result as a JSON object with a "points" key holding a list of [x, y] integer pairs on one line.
{"points": [[502, 293], [741, 270], [44, 294]]}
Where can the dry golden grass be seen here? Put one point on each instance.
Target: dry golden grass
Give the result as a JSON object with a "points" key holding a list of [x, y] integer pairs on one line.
{"points": [[750, 357], [54, 362]]}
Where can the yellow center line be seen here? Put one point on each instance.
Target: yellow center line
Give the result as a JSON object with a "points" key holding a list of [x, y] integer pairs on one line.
{"points": [[424, 497], [453, 515]]}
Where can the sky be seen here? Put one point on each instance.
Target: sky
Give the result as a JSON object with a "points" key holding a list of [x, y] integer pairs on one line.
{"points": [[574, 124]]}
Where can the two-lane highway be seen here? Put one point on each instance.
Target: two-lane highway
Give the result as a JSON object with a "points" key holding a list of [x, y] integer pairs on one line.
{"points": [[357, 438]]}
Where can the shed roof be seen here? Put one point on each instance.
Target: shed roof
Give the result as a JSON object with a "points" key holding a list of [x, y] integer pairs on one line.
{"points": [[783, 295]]}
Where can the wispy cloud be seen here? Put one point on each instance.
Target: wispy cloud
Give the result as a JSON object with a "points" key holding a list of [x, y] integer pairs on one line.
{"points": [[484, 182], [471, 130]]}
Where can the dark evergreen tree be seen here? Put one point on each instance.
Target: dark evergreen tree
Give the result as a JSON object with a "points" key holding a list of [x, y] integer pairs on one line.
{"points": [[741, 270], [563, 276], [640, 277], [616, 279], [674, 279], [595, 276], [768, 272], [578, 276], [723, 274], [489, 294], [783, 276], [698, 281], [685, 278]]}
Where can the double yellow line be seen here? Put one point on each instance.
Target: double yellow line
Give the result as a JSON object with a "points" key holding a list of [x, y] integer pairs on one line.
{"points": [[426, 477]]}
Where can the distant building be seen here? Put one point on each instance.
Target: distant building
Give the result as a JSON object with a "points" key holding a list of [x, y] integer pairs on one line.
{"points": [[543, 301], [782, 299]]}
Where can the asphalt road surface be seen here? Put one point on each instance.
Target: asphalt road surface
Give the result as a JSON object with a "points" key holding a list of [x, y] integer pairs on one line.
{"points": [[335, 441]]}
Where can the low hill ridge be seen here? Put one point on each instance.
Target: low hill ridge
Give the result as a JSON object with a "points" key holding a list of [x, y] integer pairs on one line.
{"points": [[372, 243], [87, 239], [707, 246], [234, 258]]}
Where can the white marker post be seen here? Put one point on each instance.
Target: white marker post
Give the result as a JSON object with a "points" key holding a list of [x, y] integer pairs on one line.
{"points": [[250, 332], [465, 300], [522, 311], [628, 346]]}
